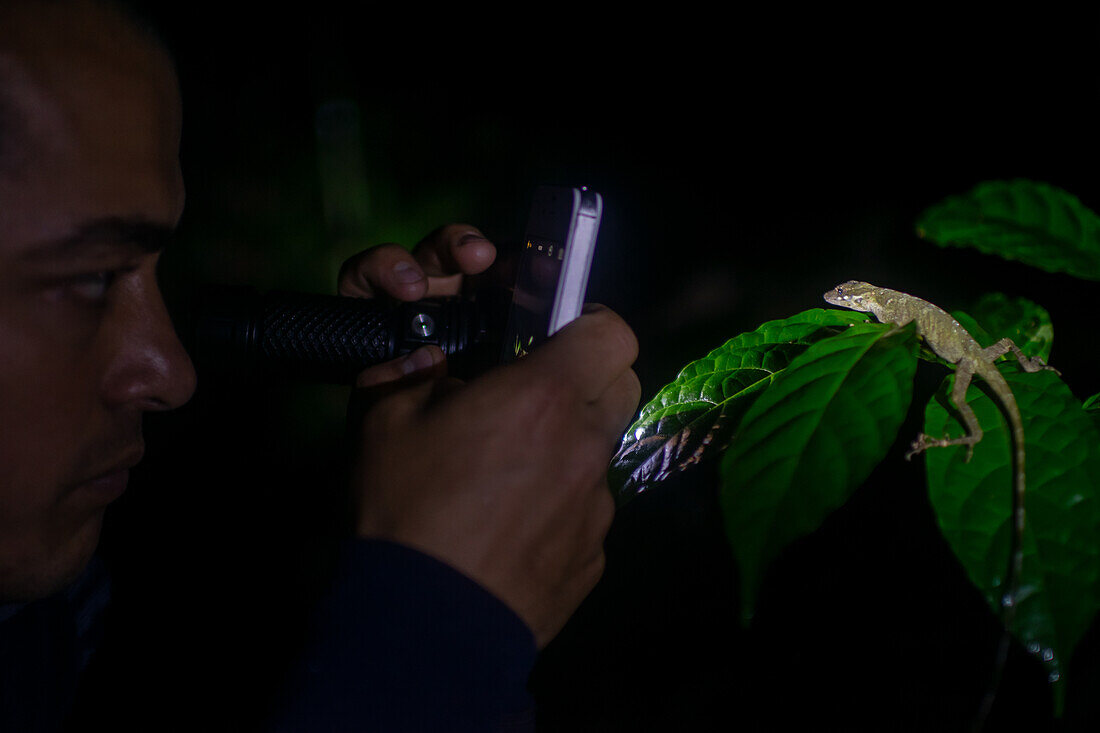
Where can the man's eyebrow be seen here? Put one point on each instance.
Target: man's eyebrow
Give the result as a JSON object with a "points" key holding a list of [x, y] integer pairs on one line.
{"points": [[147, 236]]}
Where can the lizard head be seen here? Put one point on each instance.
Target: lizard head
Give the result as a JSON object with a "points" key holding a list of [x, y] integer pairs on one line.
{"points": [[853, 294]]}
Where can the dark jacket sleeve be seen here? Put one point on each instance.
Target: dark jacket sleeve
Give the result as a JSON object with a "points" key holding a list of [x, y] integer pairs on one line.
{"points": [[406, 643]]}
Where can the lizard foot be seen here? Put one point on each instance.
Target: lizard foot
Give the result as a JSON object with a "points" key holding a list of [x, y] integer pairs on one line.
{"points": [[924, 442], [918, 446], [1027, 363], [1035, 364]]}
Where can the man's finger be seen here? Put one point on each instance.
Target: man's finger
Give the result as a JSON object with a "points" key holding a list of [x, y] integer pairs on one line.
{"points": [[616, 407], [387, 269], [590, 354], [451, 252], [413, 374], [424, 359]]}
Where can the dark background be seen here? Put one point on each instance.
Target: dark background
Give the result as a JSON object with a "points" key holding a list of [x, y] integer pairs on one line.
{"points": [[748, 164]]}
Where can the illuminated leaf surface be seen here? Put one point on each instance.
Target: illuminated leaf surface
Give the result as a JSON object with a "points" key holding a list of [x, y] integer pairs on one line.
{"points": [[1027, 323], [1032, 222], [1060, 582], [810, 440], [692, 418], [1092, 407]]}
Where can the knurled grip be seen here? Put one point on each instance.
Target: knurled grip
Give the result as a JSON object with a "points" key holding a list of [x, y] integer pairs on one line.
{"points": [[324, 337], [328, 338]]}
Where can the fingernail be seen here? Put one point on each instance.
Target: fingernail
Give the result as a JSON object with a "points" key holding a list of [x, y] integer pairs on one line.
{"points": [[417, 361], [403, 272], [471, 237]]}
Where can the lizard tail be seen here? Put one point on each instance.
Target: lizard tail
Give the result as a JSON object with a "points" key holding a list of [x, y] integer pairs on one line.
{"points": [[1019, 515], [1009, 596]]}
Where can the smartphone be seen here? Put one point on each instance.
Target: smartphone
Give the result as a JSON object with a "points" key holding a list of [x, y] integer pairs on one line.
{"points": [[554, 262]]}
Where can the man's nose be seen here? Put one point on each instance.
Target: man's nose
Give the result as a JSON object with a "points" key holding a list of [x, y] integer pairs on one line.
{"points": [[147, 367]]}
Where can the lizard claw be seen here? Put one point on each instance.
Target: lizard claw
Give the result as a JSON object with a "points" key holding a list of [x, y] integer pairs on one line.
{"points": [[1036, 364], [924, 442], [917, 446]]}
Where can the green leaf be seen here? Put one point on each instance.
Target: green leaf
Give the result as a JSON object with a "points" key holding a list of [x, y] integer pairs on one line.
{"points": [[810, 440], [1092, 408], [972, 327], [1035, 223], [692, 418], [1025, 322], [1060, 580], [995, 316]]}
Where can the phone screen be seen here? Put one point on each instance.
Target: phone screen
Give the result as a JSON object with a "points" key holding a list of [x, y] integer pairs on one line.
{"points": [[540, 266]]}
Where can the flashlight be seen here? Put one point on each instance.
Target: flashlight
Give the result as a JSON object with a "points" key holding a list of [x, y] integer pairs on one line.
{"points": [[328, 338]]}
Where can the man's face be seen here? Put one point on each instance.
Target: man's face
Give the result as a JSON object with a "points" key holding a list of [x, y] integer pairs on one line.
{"points": [[86, 346]]}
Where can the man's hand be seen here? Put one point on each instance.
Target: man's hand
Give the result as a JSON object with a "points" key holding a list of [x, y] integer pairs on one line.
{"points": [[503, 478], [437, 266]]}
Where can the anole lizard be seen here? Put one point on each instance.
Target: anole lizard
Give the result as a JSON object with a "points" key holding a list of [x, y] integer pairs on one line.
{"points": [[949, 340]]}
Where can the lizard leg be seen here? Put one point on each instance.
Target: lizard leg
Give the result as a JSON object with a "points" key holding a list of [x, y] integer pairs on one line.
{"points": [[1029, 364], [963, 375]]}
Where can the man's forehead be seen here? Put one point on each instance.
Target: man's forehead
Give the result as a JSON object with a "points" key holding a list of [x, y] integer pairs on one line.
{"points": [[61, 40], [93, 109], [27, 114]]}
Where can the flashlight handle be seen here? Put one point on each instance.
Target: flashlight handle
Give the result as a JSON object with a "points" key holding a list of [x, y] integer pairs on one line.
{"points": [[325, 338]]}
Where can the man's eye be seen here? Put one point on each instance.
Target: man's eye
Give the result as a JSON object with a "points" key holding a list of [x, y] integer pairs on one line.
{"points": [[92, 286]]}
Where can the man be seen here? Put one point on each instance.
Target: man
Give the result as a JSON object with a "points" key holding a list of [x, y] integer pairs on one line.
{"points": [[472, 558]]}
